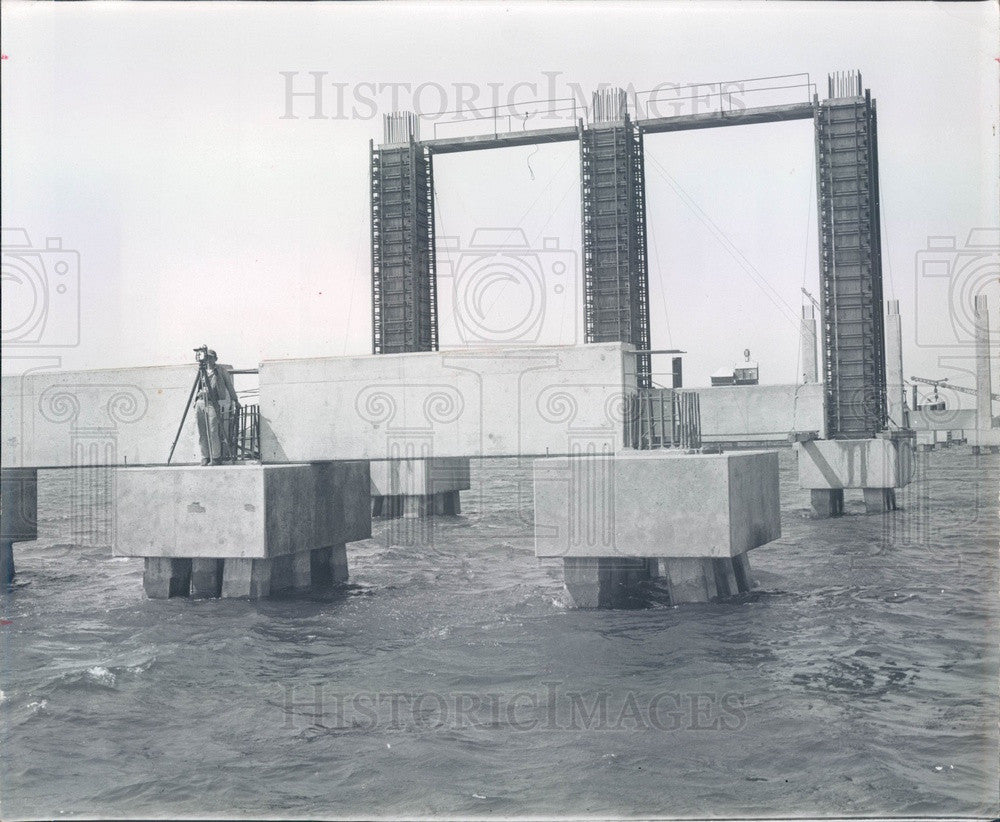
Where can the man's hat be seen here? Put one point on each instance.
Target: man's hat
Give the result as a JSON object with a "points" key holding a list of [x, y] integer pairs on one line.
{"points": [[211, 353]]}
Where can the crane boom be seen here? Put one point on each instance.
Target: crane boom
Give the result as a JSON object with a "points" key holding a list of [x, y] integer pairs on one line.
{"points": [[959, 388]]}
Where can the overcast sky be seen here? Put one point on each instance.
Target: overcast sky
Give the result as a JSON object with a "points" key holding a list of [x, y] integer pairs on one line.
{"points": [[153, 140]]}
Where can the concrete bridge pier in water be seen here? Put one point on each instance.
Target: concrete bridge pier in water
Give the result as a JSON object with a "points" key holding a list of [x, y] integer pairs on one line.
{"points": [[18, 515], [616, 497], [687, 520], [617, 515]]}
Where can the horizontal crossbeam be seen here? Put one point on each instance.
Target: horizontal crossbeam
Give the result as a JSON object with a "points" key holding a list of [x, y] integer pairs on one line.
{"points": [[652, 125]]}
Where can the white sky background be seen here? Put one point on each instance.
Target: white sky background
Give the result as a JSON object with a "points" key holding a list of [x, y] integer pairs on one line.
{"points": [[150, 138]]}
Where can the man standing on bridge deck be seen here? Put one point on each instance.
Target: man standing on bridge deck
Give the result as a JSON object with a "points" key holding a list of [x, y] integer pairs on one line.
{"points": [[215, 404]]}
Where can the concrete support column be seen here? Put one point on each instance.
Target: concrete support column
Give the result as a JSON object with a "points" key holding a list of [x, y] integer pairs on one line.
{"points": [[281, 573], [726, 584], [302, 570], [206, 578], [879, 500], [166, 577], [18, 515], [415, 506], [984, 387], [741, 568], [703, 579], [329, 565], [807, 343], [602, 582], [690, 579], [6, 562], [246, 578], [418, 487], [827, 502], [895, 387]]}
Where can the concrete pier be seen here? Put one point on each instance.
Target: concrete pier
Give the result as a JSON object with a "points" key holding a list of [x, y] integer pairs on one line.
{"points": [[603, 582], [418, 487], [247, 578], [206, 577], [895, 386], [984, 379], [241, 531], [689, 519], [925, 440], [985, 441], [879, 500], [18, 515], [875, 466], [985, 437], [826, 502], [807, 346], [166, 577], [703, 579]]}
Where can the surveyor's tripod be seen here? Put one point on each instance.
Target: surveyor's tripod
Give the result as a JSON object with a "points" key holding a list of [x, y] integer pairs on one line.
{"points": [[227, 423]]}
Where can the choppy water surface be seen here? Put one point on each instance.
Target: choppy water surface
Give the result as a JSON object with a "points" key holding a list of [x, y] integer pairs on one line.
{"points": [[861, 677]]}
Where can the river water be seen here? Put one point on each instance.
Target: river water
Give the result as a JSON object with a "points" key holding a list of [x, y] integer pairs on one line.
{"points": [[449, 677]]}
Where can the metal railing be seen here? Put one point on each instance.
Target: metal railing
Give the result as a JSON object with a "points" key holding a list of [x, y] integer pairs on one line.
{"points": [[662, 418], [246, 433], [718, 95], [510, 118]]}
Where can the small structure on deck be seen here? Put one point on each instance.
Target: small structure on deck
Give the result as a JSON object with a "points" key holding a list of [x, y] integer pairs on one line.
{"points": [[747, 373]]}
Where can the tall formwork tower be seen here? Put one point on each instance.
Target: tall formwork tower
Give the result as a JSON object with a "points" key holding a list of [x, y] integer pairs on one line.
{"points": [[852, 332], [404, 285], [613, 194]]}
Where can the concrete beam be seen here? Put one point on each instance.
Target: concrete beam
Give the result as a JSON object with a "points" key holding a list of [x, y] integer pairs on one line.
{"points": [[949, 419], [462, 403], [867, 463], [124, 416], [480, 142], [716, 119], [759, 413]]}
